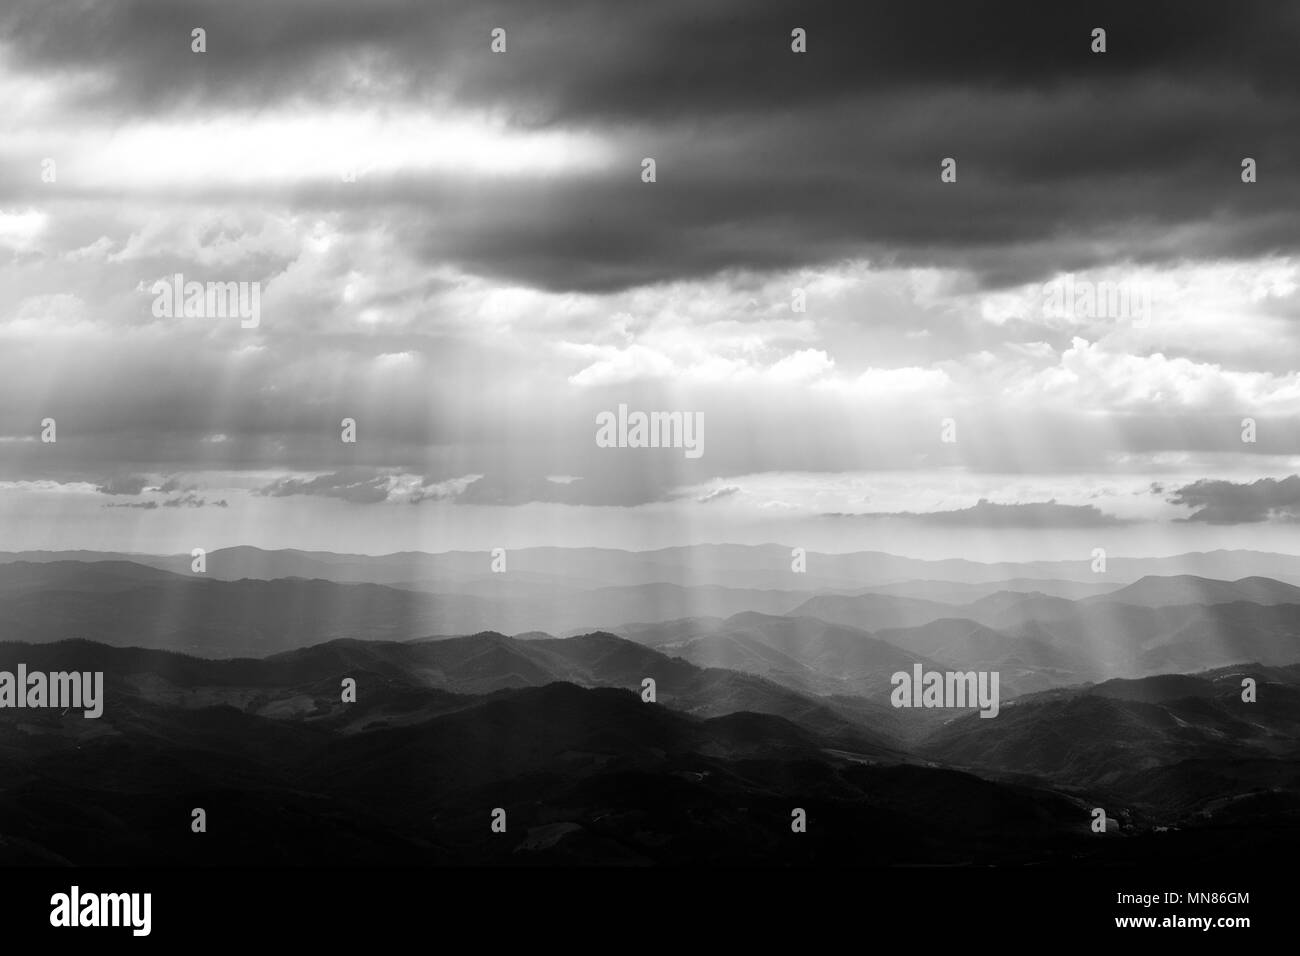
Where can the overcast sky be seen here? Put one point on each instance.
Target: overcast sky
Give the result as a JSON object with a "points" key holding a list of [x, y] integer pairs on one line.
{"points": [[499, 273]]}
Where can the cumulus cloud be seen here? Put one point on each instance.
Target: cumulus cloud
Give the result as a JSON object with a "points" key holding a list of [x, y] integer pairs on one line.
{"points": [[1104, 379]]}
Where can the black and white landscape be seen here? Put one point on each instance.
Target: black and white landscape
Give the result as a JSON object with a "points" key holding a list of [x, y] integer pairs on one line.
{"points": [[223, 692], [570, 432]]}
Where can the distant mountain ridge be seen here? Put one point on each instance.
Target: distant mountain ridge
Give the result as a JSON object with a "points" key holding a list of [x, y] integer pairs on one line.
{"points": [[1155, 591], [765, 566]]}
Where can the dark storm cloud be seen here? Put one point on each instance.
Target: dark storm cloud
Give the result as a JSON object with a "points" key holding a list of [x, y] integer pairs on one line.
{"points": [[625, 60], [822, 190], [1227, 502], [767, 159], [988, 514]]}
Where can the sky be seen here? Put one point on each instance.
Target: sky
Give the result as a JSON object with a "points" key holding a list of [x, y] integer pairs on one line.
{"points": [[457, 249]]}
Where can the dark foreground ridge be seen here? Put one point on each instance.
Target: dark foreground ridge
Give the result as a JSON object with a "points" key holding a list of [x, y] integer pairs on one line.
{"points": [[555, 733]]}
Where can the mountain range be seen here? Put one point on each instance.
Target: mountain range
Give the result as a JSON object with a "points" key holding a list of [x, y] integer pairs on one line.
{"points": [[225, 693]]}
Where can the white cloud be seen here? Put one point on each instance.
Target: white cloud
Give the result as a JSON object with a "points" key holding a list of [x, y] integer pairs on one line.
{"points": [[20, 229], [1090, 378]]}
